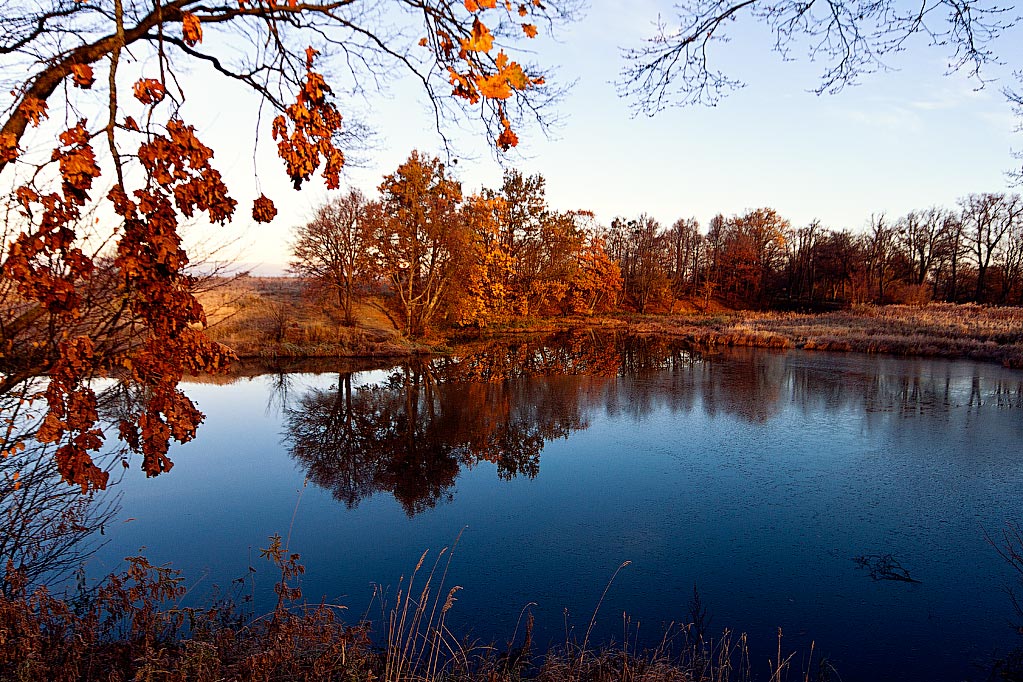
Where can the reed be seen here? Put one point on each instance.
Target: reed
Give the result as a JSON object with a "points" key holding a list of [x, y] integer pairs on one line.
{"points": [[935, 330], [133, 626]]}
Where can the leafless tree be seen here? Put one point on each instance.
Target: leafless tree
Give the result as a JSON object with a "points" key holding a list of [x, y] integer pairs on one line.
{"points": [[849, 37], [334, 249], [987, 220], [922, 237], [677, 64], [685, 245]]}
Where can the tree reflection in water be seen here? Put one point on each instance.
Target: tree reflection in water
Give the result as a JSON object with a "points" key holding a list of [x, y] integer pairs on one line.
{"points": [[410, 434]]}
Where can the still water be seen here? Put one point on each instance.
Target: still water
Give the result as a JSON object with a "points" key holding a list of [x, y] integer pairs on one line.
{"points": [[756, 476]]}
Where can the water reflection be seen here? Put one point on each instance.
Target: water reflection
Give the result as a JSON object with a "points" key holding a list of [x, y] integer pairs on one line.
{"points": [[48, 527], [411, 433]]}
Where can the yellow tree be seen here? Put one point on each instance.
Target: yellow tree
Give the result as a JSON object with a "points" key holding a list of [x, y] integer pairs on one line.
{"points": [[421, 239], [108, 80], [486, 296], [597, 283]]}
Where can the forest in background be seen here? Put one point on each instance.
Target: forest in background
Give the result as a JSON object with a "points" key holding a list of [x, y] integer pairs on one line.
{"points": [[440, 258]]}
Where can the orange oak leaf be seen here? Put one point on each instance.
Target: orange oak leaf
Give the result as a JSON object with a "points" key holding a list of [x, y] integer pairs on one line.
{"points": [[263, 209], [83, 77], [481, 40], [8, 147], [509, 77], [446, 43], [149, 90], [464, 86], [191, 29], [529, 30], [494, 87], [478, 5], [34, 109], [507, 139]]}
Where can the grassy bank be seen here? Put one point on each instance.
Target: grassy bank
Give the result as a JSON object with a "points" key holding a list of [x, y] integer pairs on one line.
{"points": [[278, 317], [936, 330], [271, 317]]}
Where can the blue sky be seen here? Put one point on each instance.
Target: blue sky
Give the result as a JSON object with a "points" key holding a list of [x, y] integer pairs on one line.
{"points": [[904, 139]]}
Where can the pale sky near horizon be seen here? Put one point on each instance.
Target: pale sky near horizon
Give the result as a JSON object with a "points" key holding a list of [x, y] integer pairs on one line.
{"points": [[908, 138]]}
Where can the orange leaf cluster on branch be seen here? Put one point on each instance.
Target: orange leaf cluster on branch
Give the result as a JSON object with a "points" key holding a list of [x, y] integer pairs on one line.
{"points": [[314, 121], [479, 79], [72, 409], [146, 325], [27, 254], [152, 262]]}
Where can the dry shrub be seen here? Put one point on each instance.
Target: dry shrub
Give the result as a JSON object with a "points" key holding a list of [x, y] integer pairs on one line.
{"points": [[911, 294], [131, 627]]}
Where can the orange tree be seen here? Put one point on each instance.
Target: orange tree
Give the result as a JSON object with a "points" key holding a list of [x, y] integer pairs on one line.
{"points": [[421, 239], [97, 92]]}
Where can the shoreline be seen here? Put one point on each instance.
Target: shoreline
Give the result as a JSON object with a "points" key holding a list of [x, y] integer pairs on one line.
{"points": [[953, 331]]}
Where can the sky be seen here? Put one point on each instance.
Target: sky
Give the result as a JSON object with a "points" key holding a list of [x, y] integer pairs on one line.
{"points": [[904, 139]]}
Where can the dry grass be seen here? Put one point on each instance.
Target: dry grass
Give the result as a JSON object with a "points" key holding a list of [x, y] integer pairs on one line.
{"points": [[939, 329], [279, 317], [271, 317], [131, 626]]}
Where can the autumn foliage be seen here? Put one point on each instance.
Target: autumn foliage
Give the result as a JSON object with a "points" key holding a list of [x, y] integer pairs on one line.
{"points": [[144, 325]]}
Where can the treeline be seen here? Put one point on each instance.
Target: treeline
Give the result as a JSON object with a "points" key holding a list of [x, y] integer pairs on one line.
{"points": [[437, 255], [973, 253]]}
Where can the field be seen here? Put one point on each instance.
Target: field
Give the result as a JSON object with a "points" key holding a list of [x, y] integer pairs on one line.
{"points": [[934, 330], [271, 317]]}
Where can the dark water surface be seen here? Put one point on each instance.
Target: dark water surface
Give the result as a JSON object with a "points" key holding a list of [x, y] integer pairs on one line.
{"points": [[756, 476]]}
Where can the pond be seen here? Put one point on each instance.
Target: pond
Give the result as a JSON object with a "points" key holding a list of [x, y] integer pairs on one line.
{"points": [[791, 489]]}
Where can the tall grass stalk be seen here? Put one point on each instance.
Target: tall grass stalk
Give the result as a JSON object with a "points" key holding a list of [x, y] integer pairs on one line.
{"points": [[416, 634]]}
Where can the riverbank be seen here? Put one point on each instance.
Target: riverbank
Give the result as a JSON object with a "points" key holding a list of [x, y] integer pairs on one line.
{"points": [[936, 330], [272, 318]]}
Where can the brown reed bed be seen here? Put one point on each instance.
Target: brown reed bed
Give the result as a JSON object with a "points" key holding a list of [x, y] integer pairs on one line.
{"points": [[987, 333]]}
